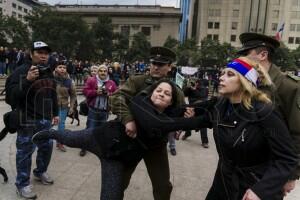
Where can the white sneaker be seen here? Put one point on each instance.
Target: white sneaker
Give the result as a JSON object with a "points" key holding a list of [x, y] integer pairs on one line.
{"points": [[26, 192], [45, 179]]}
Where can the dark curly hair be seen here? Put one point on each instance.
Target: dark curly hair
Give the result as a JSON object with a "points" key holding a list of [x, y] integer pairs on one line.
{"points": [[173, 87]]}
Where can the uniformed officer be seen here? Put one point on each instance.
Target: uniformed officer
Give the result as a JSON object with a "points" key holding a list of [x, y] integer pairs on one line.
{"points": [[286, 91], [156, 159]]}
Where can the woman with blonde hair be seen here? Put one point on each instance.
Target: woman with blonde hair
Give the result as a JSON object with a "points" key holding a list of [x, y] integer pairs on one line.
{"points": [[256, 156]]}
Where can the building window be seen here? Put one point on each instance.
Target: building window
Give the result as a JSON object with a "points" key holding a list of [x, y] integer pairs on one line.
{"points": [[294, 14], [156, 27], [209, 36], [25, 10], [292, 27], [14, 5], [274, 26], [210, 25], [297, 40], [234, 25], [296, 3], [146, 30], [276, 2], [14, 14], [214, 12], [214, 1], [135, 26], [217, 25], [20, 8], [236, 1], [125, 30], [215, 37], [298, 27], [233, 38], [291, 40], [235, 13], [20, 16], [275, 13]]}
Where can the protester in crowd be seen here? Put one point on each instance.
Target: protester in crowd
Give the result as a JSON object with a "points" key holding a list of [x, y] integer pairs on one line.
{"points": [[79, 72], [285, 92], [71, 69], [3, 58], [156, 159], [31, 89], [256, 155], [150, 108], [197, 92], [12, 59], [116, 73], [94, 70], [66, 97], [97, 90]]}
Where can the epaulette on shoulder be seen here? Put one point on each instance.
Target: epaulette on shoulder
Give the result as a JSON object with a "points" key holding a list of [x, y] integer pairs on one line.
{"points": [[293, 77]]}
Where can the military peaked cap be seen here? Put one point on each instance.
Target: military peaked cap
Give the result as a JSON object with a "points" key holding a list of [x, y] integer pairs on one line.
{"points": [[162, 55], [254, 40]]}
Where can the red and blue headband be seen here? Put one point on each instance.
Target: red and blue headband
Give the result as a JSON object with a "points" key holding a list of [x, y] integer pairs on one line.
{"points": [[244, 69]]}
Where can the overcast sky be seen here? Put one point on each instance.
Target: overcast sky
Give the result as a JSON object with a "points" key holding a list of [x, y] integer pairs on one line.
{"points": [[111, 2]]}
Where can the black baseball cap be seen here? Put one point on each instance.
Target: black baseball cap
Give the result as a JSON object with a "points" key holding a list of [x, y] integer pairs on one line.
{"points": [[254, 40], [40, 45]]}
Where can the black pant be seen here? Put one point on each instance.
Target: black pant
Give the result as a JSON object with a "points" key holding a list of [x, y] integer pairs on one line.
{"points": [[116, 175], [203, 134], [157, 163]]}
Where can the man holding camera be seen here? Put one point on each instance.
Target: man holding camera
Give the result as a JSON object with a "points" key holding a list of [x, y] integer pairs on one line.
{"points": [[31, 90]]}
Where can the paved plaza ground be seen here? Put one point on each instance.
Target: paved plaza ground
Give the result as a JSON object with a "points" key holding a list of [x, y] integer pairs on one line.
{"points": [[78, 178]]}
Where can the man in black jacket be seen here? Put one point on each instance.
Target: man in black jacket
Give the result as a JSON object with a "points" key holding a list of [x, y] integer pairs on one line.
{"points": [[31, 89]]}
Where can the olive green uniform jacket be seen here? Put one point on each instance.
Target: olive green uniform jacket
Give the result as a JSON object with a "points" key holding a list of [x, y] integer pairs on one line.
{"points": [[120, 100], [286, 96]]}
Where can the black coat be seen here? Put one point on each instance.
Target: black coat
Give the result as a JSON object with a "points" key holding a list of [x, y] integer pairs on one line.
{"points": [[255, 151], [254, 146], [35, 99]]}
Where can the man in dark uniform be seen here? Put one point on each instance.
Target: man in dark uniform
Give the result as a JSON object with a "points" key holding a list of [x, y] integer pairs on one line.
{"points": [[286, 90], [156, 159]]}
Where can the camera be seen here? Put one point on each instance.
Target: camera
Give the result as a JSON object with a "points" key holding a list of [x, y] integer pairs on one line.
{"points": [[44, 71], [102, 89]]}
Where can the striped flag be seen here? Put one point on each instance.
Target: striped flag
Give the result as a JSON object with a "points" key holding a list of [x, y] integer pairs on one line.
{"points": [[279, 33]]}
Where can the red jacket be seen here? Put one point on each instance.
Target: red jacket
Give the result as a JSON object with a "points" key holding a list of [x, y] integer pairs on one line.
{"points": [[91, 86]]}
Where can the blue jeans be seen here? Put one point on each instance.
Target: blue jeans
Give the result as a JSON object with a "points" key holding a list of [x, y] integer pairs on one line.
{"points": [[171, 139], [96, 118], [62, 113], [25, 149], [2, 68]]}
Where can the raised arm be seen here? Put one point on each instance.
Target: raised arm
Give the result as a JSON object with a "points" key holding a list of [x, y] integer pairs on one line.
{"points": [[150, 120]]}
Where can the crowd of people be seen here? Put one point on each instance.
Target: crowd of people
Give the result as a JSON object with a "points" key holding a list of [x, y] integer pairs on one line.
{"points": [[253, 111]]}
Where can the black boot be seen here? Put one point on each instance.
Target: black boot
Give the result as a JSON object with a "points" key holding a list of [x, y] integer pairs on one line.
{"points": [[82, 152]]}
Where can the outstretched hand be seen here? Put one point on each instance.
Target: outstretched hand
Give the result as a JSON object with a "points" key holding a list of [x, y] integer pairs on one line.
{"points": [[189, 112], [288, 187], [130, 129], [250, 195]]}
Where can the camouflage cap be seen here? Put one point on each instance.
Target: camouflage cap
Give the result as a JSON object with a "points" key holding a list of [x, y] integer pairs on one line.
{"points": [[162, 55], [254, 40]]}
